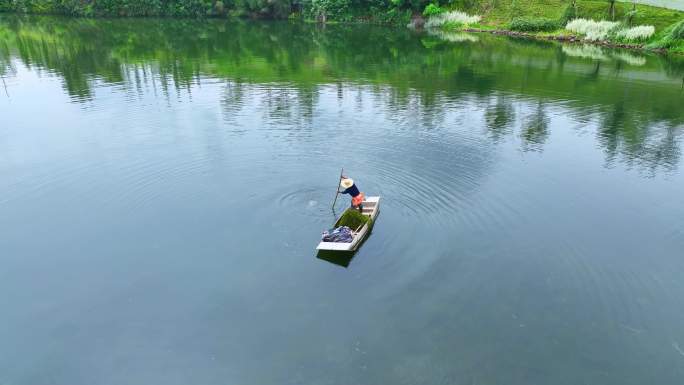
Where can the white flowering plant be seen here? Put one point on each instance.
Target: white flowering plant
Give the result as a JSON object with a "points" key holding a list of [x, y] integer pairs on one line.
{"points": [[592, 30], [635, 34], [452, 18], [609, 30]]}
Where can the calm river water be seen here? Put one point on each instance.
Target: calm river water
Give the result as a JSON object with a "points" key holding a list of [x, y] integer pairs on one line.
{"points": [[164, 184]]}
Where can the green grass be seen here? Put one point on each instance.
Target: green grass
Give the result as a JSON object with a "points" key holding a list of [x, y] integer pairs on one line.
{"points": [[660, 18], [500, 13], [538, 16]]}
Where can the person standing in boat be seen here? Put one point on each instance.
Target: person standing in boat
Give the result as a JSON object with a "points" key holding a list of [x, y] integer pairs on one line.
{"points": [[349, 187]]}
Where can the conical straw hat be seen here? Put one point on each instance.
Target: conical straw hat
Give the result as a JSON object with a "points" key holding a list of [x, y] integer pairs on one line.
{"points": [[347, 183]]}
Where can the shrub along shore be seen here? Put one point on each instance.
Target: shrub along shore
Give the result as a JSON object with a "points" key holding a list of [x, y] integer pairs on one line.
{"points": [[603, 22]]}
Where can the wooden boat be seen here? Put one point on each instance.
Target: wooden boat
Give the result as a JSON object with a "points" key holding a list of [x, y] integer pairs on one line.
{"points": [[371, 207]]}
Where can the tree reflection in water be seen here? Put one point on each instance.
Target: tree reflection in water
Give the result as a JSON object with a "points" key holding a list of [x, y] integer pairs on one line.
{"points": [[637, 99]]}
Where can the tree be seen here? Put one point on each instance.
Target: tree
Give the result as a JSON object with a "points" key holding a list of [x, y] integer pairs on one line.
{"points": [[612, 9]]}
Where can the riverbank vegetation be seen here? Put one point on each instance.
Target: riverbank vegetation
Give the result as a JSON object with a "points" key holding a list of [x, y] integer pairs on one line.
{"points": [[377, 11], [596, 21], [672, 38], [603, 21]]}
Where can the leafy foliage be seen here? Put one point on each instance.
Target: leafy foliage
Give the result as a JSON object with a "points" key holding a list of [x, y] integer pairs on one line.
{"points": [[677, 31], [673, 37], [531, 24], [117, 7], [398, 11], [630, 16], [333, 9], [432, 9]]}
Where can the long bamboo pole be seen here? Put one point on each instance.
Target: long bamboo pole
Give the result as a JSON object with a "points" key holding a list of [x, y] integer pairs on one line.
{"points": [[337, 188]]}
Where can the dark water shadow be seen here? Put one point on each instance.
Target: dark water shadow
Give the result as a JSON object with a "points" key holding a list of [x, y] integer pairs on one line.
{"points": [[340, 258]]}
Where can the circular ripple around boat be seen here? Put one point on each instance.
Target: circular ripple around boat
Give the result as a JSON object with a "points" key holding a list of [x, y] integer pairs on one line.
{"points": [[427, 180], [309, 202]]}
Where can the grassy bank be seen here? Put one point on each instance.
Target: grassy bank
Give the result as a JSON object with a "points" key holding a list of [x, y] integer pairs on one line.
{"points": [[637, 26]]}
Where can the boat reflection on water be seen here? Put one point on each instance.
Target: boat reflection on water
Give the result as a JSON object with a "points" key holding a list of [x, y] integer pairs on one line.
{"points": [[341, 258]]}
